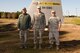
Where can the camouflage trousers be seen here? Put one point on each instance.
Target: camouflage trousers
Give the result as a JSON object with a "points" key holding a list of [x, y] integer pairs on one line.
{"points": [[38, 36], [23, 37], [54, 36]]}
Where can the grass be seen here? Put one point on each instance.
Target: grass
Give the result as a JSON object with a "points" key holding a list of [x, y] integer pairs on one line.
{"points": [[76, 21], [72, 21], [69, 39]]}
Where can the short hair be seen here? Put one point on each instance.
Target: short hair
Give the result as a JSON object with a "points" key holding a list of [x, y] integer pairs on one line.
{"points": [[24, 8], [38, 7], [53, 11]]}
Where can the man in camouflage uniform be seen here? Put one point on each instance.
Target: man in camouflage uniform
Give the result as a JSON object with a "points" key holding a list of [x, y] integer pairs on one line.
{"points": [[24, 22], [39, 23], [54, 23]]}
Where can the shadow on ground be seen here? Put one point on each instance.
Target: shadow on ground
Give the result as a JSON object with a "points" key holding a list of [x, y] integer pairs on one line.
{"points": [[63, 32], [13, 46], [68, 44], [7, 27]]}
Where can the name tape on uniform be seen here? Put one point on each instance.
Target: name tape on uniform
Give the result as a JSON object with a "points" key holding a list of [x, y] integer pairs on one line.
{"points": [[46, 3]]}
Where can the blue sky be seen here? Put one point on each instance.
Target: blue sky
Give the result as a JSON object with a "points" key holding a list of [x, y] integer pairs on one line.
{"points": [[70, 7]]}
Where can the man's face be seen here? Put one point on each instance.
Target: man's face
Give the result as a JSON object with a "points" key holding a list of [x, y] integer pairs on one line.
{"points": [[38, 9], [24, 11], [53, 13]]}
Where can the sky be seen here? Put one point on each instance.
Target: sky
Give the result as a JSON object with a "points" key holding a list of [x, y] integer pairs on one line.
{"points": [[70, 7]]}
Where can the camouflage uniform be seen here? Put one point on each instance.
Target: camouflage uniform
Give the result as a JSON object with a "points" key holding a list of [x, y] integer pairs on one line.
{"points": [[39, 23], [24, 22], [53, 23]]}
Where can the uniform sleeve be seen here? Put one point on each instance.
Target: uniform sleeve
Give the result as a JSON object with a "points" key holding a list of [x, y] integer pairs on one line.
{"points": [[60, 23], [33, 19], [59, 19], [29, 20], [44, 20], [48, 21], [49, 24]]}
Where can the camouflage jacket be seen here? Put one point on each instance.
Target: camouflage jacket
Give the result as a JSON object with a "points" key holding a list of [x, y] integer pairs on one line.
{"points": [[53, 23], [39, 21]]}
